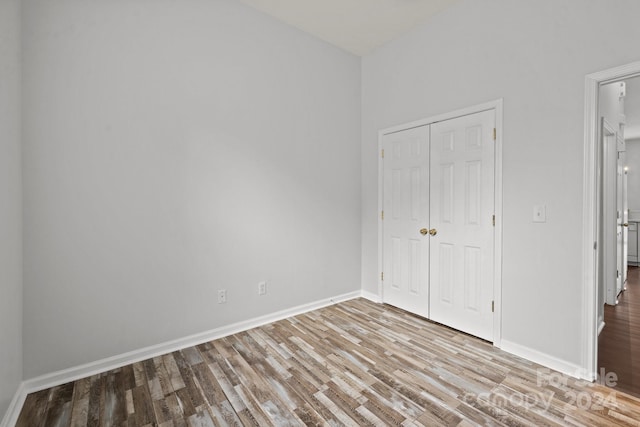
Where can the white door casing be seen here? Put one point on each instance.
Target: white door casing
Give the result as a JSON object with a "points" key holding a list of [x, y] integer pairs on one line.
{"points": [[625, 223], [609, 217], [619, 234], [591, 249], [479, 282], [621, 199], [462, 212], [406, 211]]}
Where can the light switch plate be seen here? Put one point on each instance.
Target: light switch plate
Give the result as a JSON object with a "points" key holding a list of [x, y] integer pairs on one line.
{"points": [[539, 213]]}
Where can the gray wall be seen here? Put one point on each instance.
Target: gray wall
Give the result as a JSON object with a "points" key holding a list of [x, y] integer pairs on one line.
{"points": [[10, 205], [171, 149], [633, 175], [535, 55], [175, 148]]}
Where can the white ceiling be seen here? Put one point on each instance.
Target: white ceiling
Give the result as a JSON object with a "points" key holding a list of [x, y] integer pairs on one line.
{"points": [[357, 26]]}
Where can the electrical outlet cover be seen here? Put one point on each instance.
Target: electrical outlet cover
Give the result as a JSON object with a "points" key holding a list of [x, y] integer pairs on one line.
{"points": [[222, 296], [540, 213]]}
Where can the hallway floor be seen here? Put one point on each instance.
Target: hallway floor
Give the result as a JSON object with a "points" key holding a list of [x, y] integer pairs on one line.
{"points": [[619, 341]]}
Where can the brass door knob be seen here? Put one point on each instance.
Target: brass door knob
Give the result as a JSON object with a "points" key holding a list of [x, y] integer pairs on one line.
{"points": [[424, 231], [433, 231], [626, 224]]}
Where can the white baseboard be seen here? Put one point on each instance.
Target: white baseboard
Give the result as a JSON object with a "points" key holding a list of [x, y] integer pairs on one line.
{"points": [[371, 296], [600, 326], [107, 364], [13, 411], [543, 359], [72, 374]]}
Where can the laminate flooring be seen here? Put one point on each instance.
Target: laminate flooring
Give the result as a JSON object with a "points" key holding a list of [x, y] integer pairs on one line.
{"points": [[619, 341], [355, 363]]}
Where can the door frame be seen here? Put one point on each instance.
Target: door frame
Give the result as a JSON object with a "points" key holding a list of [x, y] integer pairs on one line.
{"points": [[590, 252], [497, 106], [609, 139], [625, 230]]}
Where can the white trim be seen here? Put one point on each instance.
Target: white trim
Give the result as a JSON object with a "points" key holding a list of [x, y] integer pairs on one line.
{"points": [[589, 232], [380, 221], [543, 359], [371, 297], [601, 325], [72, 374], [13, 411], [497, 106], [491, 105], [589, 216], [609, 265], [497, 255]]}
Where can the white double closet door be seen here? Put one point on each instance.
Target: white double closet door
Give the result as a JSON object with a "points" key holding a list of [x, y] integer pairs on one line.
{"points": [[438, 226]]}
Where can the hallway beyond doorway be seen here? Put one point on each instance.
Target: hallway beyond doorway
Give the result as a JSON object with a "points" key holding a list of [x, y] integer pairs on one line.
{"points": [[619, 342]]}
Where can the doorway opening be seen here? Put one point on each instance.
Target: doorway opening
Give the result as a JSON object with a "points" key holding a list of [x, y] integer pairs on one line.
{"points": [[604, 218], [619, 292]]}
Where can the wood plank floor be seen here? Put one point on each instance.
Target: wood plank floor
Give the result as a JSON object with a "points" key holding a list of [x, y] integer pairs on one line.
{"points": [[355, 363], [619, 341]]}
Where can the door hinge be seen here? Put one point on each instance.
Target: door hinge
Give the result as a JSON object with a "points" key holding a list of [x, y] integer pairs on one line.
{"points": [[382, 153], [493, 306], [495, 133], [382, 276], [595, 245], [493, 220], [382, 215]]}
